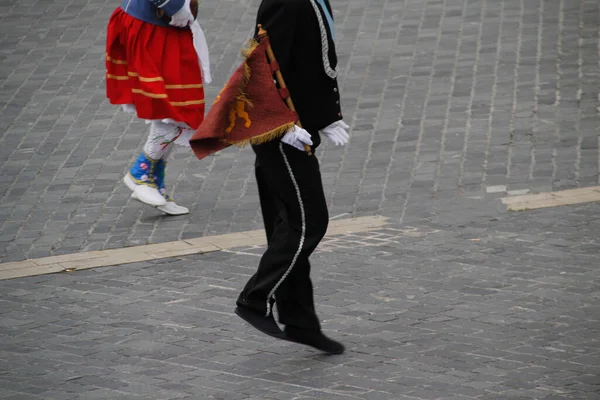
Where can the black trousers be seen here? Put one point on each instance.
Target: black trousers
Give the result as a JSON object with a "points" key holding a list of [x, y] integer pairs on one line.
{"points": [[295, 217]]}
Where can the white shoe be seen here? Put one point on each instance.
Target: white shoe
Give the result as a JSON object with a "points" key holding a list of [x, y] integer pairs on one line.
{"points": [[144, 193], [171, 208]]}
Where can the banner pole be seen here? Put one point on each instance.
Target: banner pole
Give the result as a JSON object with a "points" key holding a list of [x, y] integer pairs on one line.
{"points": [[280, 81]]}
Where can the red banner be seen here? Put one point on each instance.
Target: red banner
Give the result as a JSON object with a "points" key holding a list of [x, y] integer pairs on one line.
{"points": [[249, 110]]}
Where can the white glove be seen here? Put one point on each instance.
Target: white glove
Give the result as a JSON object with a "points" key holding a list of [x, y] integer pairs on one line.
{"points": [[336, 133], [297, 137], [183, 17]]}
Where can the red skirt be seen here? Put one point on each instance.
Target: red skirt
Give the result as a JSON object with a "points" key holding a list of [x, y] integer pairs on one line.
{"points": [[154, 68]]}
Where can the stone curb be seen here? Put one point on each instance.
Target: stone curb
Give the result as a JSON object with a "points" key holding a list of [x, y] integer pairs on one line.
{"points": [[552, 199], [112, 257]]}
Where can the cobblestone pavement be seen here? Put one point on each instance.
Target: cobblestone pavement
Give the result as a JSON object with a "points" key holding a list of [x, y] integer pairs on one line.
{"points": [[452, 104], [446, 99], [500, 306]]}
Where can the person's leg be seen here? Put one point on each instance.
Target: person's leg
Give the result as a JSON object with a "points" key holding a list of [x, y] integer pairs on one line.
{"points": [[270, 206], [295, 299], [295, 219], [146, 178], [294, 182], [171, 208], [271, 209]]}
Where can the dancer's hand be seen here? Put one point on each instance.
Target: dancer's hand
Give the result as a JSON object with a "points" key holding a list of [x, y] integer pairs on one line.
{"points": [[183, 17], [297, 137], [336, 133]]}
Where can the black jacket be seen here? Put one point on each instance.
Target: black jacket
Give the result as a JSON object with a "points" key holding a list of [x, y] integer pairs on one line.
{"points": [[293, 30]]}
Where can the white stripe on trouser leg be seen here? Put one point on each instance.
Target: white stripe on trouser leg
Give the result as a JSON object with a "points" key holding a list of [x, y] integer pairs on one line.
{"points": [[302, 235]]}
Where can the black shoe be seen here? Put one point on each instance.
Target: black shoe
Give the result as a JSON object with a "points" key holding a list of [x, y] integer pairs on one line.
{"points": [[314, 339], [264, 324]]}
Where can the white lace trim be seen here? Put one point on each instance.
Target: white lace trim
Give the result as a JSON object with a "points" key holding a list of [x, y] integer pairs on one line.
{"points": [[332, 73]]}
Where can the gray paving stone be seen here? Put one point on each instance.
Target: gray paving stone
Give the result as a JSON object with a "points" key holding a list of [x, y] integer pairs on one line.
{"points": [[405, 338], [457, 299], [443, 99]]}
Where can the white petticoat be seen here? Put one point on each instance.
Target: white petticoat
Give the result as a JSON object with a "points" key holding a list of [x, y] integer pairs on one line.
{"points": [[186, 131]]}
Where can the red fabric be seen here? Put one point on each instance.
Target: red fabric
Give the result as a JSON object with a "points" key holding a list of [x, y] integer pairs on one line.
{"points": [[284, 93], [227, 123], [274, 66], [154, 67]]}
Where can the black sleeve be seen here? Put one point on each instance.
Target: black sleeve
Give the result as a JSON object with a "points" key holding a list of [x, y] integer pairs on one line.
{"points": [[278, 18], [295, 35]]}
